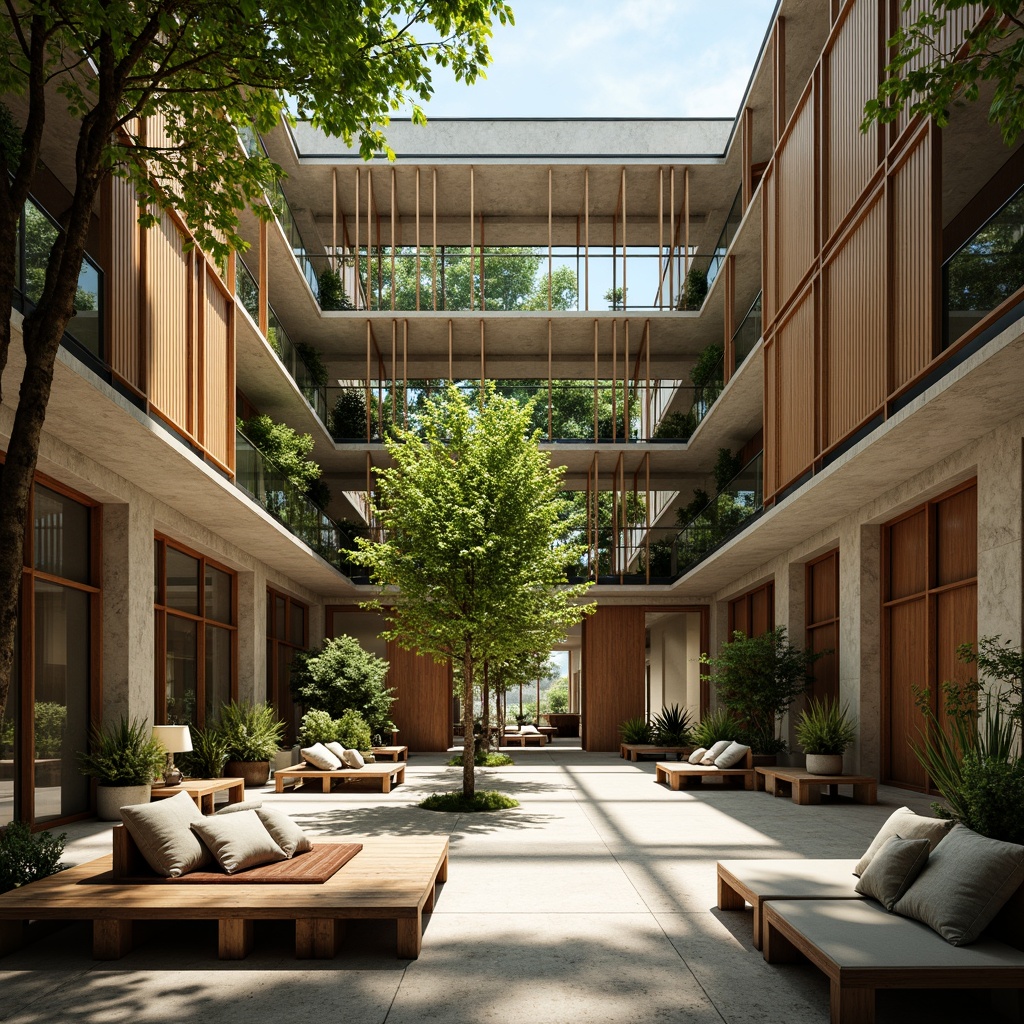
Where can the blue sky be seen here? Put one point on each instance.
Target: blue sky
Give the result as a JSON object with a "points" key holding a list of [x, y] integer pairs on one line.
{"points": [[614, 58]]}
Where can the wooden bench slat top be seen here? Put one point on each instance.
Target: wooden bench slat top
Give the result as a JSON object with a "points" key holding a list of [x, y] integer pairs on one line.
{"points": [[801, 775], [374, 770], [633, 751], [389, 878]]}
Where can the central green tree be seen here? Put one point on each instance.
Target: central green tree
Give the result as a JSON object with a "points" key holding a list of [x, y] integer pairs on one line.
{"points": [[477, 540]]}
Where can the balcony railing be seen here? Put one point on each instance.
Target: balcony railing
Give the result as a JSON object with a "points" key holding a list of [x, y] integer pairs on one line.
{"points": [[270, 488], [37, 231], [248, 290], [290, 227], [748, 334], [296, 366], [986, 270], [704, 267]]}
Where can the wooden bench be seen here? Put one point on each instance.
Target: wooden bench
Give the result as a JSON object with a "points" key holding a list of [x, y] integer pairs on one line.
{"points": [[384, 775], [636, 751], [862, 948], [806, 788], [523, 739], [391, 753], [203, 791], [680, 775], [391, 877]]}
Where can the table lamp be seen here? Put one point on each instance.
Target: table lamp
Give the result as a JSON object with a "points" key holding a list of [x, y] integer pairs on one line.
{"points": [[175, 739]]}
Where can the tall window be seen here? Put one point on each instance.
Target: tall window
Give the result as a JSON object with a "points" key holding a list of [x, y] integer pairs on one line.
{"points": [[753, 613], [287, 632], [46, 722], [196, 635]]}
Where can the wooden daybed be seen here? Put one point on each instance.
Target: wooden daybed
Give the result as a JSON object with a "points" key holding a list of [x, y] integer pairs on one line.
{"points": [[678, 775], [523, 739], [384, 775], [391, 877]]}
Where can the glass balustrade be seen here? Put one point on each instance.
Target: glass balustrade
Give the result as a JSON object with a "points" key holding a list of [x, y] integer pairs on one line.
{"points": [[748, 334], [248, 290]]}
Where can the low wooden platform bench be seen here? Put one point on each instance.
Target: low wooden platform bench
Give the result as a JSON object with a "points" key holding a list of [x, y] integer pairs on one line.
{"points": [[679, 775], [806, 788], [384, 775], [861, 948], [523, 739], [635, 751], [391, 877]]}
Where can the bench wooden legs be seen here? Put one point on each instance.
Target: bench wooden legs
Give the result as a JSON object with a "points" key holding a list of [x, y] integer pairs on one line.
{"points": [[410, 937], [234, 938], [318, 938], [111, 939], [851, 1005], [728, 897], [12, 936]]}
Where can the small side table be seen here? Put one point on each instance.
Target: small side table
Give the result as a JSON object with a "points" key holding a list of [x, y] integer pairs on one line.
{"points": [[202, 791], [390, 753]]}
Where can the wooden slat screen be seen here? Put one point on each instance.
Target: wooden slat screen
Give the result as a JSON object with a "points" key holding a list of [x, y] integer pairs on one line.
{"points": [[753, 613], [122, 283], [423, 706], [822, 623], [218, 374], [794, 388], [168, 322], [613, 673]]}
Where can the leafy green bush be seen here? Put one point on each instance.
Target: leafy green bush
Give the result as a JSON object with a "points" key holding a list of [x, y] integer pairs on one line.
{"points": [[24, 857], [353, 731], [331, 291], [286, 449], [635, 730], [707, 369], [348, 417], [340, 675], [558, 697], [489, 800], [676, 426], [314, 362], [672, 727], [253, 732], [484, 759], [695, 287], [208, 755], [727, 465], [718, 725], [50, 718], [317, 727], [822, 728], [123, 755], [992, 796]]}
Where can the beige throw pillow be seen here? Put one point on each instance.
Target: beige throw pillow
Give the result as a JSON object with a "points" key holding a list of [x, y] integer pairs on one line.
{"points": [[337, 749], [238, 841], [284, 831], [320, 757], [715, 750], [732, 755], [242, 805], [695, 757], [908, 825], [893, 869], [162, 832], [353, 759]]}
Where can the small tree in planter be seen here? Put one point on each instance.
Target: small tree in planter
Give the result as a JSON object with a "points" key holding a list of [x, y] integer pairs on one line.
{"points": [[824, 733], [758, 678]]}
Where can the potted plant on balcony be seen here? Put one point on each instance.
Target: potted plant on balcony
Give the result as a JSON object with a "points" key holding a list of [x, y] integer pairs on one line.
{"points": [[824, 733], [253, 733], [123, 760]]}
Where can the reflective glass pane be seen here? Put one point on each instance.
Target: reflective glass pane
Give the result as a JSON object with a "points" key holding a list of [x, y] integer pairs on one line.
{"points": [[156, 572], [286, 708], [218, 671], [61, 710], [297, 631], [280, 618], [9, 743], [85, 325], [218, 595], [182, 663], [60, 535], [182, 586], [40, 235]]}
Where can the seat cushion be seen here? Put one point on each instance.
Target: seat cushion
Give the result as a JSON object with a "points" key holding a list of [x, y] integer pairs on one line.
{"points": [[241, 805], [697, 755], [732, 755], [907, 825], [320, 757], [162, 831], [238, 841], [284, 831], [893, 870], [337, 749], [715, 750], [353, 759], [963, 886]]}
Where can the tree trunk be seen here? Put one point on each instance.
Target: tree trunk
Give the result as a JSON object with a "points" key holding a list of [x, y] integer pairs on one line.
{"points": [[468, 742], [485, 741]]}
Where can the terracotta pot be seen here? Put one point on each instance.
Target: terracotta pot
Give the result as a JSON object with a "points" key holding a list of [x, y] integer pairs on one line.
{"points": [[110, 800], [255, 773], [825, 764]]}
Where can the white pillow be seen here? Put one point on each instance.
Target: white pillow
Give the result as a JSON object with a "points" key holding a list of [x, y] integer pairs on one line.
{"points": [[353, 759], [732, 755], [697, 755], [530, 728], [715, 750], [320, 757], [337, 749]]}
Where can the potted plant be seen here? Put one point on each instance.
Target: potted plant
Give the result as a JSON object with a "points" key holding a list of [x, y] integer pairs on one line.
{"points": [[824, 733], [124, 761], [672, 727], [208, 755], [635, 730], [758, 678], [253, 733]]}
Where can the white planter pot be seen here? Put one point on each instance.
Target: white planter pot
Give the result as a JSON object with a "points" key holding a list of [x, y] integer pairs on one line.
{"points": [[825, 764], [110, 800]]}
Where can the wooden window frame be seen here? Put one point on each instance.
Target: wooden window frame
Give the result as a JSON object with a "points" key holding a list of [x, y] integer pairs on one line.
{"points": [[273, 692], [810, 626]]}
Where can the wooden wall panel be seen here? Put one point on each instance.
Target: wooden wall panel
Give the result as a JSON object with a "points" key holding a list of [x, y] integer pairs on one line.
{"points": [[793, 403], [753, 613], [122, 283], [908, 547], [768, 261], [956, 532], [218, 375], [849, 79], [613, 674], [796, 169], [423, 705], [771, 448], [912, 258], [907, 663], [167, 291], [854, 287], [821, 621]]}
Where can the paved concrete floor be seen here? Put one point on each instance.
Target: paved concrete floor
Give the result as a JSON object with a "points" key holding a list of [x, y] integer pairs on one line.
{"points": [[592, 903]]}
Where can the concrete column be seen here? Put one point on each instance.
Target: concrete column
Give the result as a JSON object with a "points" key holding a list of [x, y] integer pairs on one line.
{"points": [[317, 624], [252, 636], [128, 634]]}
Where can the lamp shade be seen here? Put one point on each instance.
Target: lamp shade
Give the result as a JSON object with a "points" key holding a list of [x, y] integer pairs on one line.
{"points": [[175, 739]]}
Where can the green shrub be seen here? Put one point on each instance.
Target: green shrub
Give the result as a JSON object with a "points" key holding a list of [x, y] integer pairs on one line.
{"points": [[314, 362], [353, 731], [50, 718], [489, 800], [484, 759], [695, 287], [331, 291], [558, 697], [676, 426], [253, 732], [992, 796], [707, 369], [317, 727], [340, 675], [822, 728], [718, 725], [635, 730], [284, 447], [123, 755], [348, 417], [672, 727], [24, 857], [208, 755], [727, 466]]}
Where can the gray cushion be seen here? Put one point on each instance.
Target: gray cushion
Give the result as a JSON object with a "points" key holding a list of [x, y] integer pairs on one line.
{"points": [[732, 755], [715, 750], [965, 883], [893, 869], [337, 749], [320, 757], [284, 831], [162, 832], [907, 825], [695, 757], [238, 841], [242, 805], [353, 759]]}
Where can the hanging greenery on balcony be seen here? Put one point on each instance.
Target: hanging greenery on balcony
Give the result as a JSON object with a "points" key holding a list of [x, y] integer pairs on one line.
{"points": [[287, 450]]}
